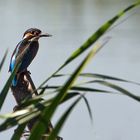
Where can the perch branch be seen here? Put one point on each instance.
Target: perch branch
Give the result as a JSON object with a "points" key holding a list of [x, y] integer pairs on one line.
{"points": [[25, 89]]}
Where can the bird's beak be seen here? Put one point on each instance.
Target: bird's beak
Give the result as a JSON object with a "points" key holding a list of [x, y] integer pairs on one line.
{"points": [[39, 36], [45, 35]]}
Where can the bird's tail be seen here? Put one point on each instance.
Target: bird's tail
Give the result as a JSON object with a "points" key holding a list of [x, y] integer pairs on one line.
{"points": [[14, 81]]}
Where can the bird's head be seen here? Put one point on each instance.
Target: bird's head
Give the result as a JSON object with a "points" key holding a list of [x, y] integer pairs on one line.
{"points": [[34, 34]]}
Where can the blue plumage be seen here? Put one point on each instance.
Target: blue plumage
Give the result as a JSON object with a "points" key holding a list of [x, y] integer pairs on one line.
{"points": [[14, 81]]}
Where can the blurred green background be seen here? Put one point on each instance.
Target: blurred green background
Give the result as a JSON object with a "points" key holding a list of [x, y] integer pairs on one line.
{"points": [[71, 22]]}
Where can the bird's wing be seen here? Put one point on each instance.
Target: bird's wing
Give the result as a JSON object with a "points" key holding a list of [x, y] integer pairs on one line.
{"points": [[18, 50]]}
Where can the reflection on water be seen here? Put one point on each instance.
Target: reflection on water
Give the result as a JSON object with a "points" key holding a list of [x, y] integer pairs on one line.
{"points": [[71, 22]]}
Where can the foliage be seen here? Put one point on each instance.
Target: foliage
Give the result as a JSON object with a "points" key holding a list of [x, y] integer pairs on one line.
{"points": [[63, 93]]}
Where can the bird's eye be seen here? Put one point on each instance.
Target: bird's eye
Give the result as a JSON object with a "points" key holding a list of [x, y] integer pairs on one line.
{"points": [[36, 33]]}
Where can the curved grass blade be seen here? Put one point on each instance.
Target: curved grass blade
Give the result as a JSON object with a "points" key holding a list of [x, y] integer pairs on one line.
{"points": [[35, 100], [88, 107], [18, 132], [5, 89], [107, 77], [120, 89], [14, 114], [18, 120], [69, 96], [57, 89], [99, 76], [122, 21], [62, 120], [73, 94], [24, 115], [3, 59], [93, 39], [82, 89], [48, 113]]}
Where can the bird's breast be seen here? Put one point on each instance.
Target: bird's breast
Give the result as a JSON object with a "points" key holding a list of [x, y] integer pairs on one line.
{"points": [[29, 56]]}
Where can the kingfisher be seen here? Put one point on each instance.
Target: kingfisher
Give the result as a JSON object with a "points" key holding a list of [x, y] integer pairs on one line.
{"points": [[29, 43]]}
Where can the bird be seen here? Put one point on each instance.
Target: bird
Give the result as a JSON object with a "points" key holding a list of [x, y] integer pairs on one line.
{"points": [[30, 44]]}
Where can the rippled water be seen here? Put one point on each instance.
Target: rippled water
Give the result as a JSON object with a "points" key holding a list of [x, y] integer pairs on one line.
{"points": [[71, 22]]}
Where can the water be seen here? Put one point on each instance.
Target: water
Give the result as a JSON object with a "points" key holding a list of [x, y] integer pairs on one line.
{"points": [[71, 23]]}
